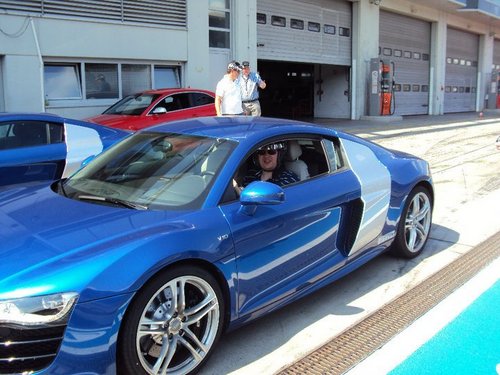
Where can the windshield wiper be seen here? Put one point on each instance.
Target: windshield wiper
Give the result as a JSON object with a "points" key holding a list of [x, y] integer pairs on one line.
{"points": [[114, 201]]}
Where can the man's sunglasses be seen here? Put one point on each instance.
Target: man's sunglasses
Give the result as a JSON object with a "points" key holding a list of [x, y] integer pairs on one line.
{"points": [[269, 152]]}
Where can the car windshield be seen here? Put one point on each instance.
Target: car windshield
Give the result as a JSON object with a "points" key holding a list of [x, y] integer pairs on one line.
{"points": [[132, 105], [151, 170]]}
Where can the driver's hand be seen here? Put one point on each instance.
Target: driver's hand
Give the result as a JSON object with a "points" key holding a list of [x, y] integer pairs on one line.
{"points": [[237, 188]]}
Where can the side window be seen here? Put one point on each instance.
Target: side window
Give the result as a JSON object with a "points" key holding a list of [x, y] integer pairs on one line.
{"points": [[198, 98], [333, 154], [19, 134], [313, 154], [175, 102], [55, 133]]}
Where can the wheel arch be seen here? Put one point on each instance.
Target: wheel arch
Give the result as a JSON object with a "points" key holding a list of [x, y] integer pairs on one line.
{"points": [[206, 266], [428, 186]]}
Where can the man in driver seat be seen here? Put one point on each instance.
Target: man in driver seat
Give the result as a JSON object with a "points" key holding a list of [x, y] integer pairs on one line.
{"points": [[269, 160]]}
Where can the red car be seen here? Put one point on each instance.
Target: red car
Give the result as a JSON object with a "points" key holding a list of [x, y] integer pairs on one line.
{"points": [[154, 107]]}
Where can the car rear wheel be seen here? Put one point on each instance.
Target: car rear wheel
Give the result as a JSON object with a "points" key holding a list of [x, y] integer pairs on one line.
{"points": [[415, 224], [172, 324]]}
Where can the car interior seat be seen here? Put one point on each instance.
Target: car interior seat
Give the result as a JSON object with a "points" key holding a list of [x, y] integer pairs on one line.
{"points": [[292, 161]]}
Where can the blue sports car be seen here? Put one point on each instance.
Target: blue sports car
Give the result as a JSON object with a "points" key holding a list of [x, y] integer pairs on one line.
{"points": [[37, 147], [138, 262]]}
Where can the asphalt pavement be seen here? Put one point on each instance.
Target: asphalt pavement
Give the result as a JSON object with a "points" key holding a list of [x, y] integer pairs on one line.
{"points": [[464, 163]]}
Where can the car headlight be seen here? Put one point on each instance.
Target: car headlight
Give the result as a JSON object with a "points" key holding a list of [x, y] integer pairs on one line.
{"points": [[40, 310]]}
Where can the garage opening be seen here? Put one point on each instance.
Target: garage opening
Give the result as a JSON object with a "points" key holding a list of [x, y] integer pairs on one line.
{"points": [[290, 89]]}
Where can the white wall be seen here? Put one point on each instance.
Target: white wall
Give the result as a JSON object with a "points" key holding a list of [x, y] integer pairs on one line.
{"points": [[334, 103], [365, 41], [67, 40]]}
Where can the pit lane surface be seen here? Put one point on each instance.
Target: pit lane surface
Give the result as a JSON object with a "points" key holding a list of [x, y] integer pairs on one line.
{"points": [[464, 163]]}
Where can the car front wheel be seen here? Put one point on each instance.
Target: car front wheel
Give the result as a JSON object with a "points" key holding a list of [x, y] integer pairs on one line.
{"points": [[414, 225], [172, 324]]}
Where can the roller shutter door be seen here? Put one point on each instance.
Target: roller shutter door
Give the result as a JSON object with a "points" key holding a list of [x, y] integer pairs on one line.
{"points": [[462, 50], [304, 31], [406, 42]]}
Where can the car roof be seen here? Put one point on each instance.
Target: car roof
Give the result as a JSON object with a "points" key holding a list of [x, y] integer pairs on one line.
{"points": [[6, 116], [51, 117], [174, 90], [240, 128]]}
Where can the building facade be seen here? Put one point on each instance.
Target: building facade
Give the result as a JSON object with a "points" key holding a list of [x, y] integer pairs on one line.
{"points": [[76, 58]]}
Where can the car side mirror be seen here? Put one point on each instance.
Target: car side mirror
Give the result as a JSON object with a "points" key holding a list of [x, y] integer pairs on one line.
{"points": [[159, 111], [260, 193]]}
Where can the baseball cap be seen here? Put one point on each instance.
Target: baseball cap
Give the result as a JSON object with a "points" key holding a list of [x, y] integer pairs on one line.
{"points": [[245, 64], [234, 65]]}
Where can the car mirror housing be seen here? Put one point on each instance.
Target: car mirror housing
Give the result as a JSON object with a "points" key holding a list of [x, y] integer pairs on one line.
{"points": [[159, 111], [260, 193]]}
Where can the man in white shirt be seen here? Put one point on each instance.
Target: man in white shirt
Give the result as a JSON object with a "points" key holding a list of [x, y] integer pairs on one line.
{"points": [[227, 93]]}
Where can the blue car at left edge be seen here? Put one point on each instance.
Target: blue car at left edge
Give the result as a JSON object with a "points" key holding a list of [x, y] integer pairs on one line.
{"points": [[139, 261], [43, 146]]}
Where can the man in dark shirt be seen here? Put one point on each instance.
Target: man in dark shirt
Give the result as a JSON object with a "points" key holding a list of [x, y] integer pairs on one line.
{"points": [[269, 158]]}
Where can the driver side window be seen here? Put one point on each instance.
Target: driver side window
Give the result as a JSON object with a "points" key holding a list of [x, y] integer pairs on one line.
{"points": [[295, 160]]}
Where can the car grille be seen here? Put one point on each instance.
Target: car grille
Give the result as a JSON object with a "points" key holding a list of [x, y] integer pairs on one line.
{"points": [[28, 349]]}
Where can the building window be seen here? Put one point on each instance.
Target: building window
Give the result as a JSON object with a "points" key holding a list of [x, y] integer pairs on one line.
{"points": [[278, 21], [407, 54], [165, 76], [344, 31], [314, 26], [425, 56], [219, 23], [261, 18], [297, 24], [101, 81], [406, 87], [387, 51], [425, 88], [415, 88], [416, 55], [329, 29], [135, 78], [62, 81], [398, 53]]}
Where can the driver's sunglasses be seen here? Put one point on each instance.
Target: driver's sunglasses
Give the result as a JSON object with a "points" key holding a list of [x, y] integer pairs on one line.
{"points": [[269, 152]]}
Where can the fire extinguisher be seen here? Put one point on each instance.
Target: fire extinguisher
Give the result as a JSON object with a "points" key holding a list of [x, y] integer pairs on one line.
{"points": [[387, 100]]}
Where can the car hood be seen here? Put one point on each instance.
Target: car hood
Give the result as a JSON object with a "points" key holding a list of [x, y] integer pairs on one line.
{"points": [[116, 121], [44, 235]]}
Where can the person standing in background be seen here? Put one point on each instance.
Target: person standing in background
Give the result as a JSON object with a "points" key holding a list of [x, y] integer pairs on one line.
{"points": [[250, 82], [227, 93]]}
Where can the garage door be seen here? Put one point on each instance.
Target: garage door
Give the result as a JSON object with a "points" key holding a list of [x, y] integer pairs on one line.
{"points": [[406, 42], [304, 31], [462, 50]]}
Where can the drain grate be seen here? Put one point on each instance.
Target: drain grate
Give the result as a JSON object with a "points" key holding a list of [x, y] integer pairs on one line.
{"points": [[355, 344]]}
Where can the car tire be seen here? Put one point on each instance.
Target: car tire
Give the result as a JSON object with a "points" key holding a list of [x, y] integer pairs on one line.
{"points": [[414, 225], [183, 307]]}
